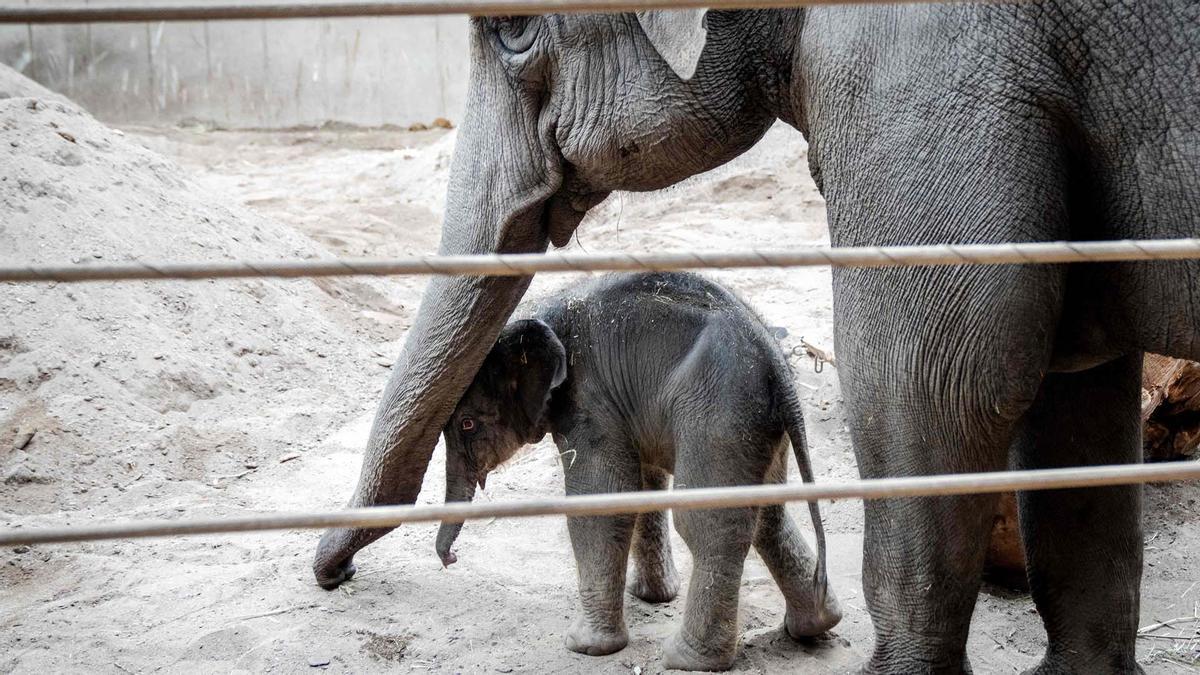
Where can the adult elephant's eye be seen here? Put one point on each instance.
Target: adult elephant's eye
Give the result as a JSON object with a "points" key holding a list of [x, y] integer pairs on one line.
{"points": [[516, 33], [468, 425]]}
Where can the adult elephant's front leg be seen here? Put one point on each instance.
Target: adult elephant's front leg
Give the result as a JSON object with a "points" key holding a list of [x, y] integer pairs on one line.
{"points": [[934, 388]]}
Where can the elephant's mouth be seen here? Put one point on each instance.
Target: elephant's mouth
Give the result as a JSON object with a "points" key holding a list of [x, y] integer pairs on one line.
{"points": [[565, 210]]}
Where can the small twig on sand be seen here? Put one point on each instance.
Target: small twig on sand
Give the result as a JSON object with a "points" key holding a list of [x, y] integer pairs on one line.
{"points": [[183, 616], [819, 356], [269, 639], [1168, 623], [1184, 661], [275, 612], [507, 589], [379, 570], [1185, 638], [24, 435], [216, 481], [247, 472]]}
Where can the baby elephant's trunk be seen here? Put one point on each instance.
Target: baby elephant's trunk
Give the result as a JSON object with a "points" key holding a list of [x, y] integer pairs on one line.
{"points": [[447, 534], [460, 487]]}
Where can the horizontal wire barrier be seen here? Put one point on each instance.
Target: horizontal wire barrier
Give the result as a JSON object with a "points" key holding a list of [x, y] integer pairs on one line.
{"points": [[526, 264], [627, 502], [181, 11], [523, 264]]}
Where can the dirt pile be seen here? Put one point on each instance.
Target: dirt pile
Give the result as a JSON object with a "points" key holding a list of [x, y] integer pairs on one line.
{"points": [[16, 85], [155, 400], [118, 387]]}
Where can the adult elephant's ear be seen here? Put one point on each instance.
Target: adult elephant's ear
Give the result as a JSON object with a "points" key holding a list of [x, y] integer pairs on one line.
{"points": [[678, 35], [536, 363]]}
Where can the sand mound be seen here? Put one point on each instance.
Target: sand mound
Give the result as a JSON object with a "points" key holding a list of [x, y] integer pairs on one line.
{"points": [[16, 85], [125, 386]]}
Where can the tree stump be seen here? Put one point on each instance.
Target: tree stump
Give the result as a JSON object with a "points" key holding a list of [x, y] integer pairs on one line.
{"points": [[1170, 432], [1005, 561]]}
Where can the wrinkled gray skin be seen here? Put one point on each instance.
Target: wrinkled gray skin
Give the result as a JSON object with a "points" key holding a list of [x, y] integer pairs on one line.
{"points": [[637, 377], [926, 123]]}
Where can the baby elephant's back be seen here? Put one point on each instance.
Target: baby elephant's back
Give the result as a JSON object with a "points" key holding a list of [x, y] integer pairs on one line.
{"points": [[674, 309], [670, 341]]}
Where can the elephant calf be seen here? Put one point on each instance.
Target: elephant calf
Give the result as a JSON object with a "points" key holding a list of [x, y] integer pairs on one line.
{"points": [[637, 377]]}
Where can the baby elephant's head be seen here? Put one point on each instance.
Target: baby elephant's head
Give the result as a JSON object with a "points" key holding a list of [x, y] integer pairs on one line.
{"points": [[502, 410]]}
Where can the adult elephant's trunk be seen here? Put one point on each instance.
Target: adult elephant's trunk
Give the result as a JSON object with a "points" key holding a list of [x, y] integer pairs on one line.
{"points": [[457, 324], [506, 168], [460, 487]]}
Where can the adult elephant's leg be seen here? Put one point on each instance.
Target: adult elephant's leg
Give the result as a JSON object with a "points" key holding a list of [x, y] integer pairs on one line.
{"points": [[938, 365], [601, 543], [1084, 547], [654, 575]]}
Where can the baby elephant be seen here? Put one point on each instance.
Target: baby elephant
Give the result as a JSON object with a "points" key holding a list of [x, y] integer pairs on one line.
{"points": [[639, 376]]}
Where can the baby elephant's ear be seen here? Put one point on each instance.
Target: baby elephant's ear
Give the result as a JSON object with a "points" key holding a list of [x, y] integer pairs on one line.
{"points": [[537, 363]]}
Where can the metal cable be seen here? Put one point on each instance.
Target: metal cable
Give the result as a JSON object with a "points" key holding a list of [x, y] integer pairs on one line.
{"points": [[626, 502], [117, 12], [523, 264]]}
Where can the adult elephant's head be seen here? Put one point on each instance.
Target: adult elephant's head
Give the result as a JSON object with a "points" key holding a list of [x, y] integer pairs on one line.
{"points": [[562, 110]]}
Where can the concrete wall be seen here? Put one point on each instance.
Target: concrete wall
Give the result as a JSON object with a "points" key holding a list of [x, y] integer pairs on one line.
{"points": [[241, 74]]}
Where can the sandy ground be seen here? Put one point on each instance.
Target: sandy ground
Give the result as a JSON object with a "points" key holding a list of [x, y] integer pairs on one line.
{"points": [[177, 400]]}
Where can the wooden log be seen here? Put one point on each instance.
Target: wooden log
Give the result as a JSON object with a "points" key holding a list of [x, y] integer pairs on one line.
{"points": [[1170, 408], [1158, 372], [1005, 561]]}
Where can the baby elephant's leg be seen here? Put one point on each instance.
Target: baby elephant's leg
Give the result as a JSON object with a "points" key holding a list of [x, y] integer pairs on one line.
{"points": [[654, 575], [601, 547], [792, 564], [719, 541]]}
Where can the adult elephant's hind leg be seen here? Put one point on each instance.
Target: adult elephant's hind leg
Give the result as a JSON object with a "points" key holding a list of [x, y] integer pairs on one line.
{"points": [[654, 576], [922, 562], [1084, 547], [938, 388]]}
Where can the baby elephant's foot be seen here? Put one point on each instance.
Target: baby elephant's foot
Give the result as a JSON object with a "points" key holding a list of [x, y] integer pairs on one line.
{"points": [[654, 588], [810, 622], [586, 638], [680, 655]]}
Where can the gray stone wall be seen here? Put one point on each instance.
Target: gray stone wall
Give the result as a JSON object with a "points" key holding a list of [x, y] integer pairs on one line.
{"points": [[245, 74]]}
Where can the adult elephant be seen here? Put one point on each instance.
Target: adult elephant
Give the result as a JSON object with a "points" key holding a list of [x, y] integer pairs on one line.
{"points": [[926, 124]]}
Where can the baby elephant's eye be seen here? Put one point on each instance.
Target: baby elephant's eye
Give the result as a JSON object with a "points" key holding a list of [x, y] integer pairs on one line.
{"points": [[468, 425]]}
